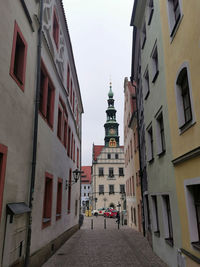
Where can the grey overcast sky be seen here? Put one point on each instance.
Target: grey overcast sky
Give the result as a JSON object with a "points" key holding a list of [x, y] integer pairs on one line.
{"points": [[101, 39]]}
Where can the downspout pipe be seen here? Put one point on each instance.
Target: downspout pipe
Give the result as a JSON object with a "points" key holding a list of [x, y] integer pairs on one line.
{"points": [[35, 135]]}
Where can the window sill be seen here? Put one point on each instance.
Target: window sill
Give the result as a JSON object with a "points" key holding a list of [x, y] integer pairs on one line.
{"points": [[144, 42], [151, 161], [196, 245], [175, 28], [150, 16], [186, 126], [157, 233], [19, 83], [111, 193], [50, 126], [155, 76], [58, 216], [46, 222], [169, 241], [161, 153], [146, 96]]}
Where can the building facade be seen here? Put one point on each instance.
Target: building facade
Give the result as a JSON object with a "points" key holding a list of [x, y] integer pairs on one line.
{"points": [[108, 183], [86, 188], [131, 152], [181, 33], [166, 236], [40, 140]]}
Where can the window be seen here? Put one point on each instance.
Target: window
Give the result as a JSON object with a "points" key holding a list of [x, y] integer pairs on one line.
{"points": [[70, 94], [68, 77], [59, 127], [122, 188], [150, 11], [84, 187], [154, 60], [146, 84], [74, 151], [59, 199], [133, 186], [174, 11], [18, 57], [69, 141], [65, 131], [101, 189], [84, 194], [111, 172], [88, 187], [155, 215], [111, 189], [73, 102], [167, 219], [3, 159], [72, 146], [48, 194], [55, 29], [88, 194], [69, 192], [47, 95], [121, 171], [193, 209], [150, 152], [147, 212], [160, 134], [116, 156], [184, 105], [143, 35], [101, 173], [109, 156]]}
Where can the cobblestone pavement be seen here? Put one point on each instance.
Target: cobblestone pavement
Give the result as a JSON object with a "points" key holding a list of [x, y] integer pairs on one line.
{"points": [[105, 247]]}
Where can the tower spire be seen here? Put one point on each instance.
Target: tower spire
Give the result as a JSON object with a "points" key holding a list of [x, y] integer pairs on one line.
{"points": [[111, 125]]}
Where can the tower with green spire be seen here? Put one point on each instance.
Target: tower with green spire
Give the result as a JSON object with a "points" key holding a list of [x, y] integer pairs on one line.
{"points": [[111, 125]]}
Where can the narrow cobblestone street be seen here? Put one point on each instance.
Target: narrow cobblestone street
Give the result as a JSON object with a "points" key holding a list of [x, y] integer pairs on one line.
{"points": [[105, 247]]}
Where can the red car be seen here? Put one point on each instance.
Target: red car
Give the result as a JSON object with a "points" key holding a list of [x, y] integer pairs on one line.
{"points": [[110, 213], [113, 213]]}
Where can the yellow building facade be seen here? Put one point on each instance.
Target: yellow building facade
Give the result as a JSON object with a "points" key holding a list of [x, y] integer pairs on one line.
{"points": [[181, 41]]}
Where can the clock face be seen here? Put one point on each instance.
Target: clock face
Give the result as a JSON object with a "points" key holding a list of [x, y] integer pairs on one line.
{"points": [[112, 131]]}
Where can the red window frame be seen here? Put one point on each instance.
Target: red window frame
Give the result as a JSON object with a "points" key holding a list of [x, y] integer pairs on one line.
{"points": [[3, 160], [47, 96], [65, 131], [59, 125], [74, 151], [70, 95], [73, 101], [69, 141], [18, 61], [72, 145], [59, 199], [55, 28], [48, 197], [69, 192], [68, 77]]}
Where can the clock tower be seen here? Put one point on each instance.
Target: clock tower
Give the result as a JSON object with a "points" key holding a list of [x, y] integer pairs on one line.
{"points": [[111, 126]]}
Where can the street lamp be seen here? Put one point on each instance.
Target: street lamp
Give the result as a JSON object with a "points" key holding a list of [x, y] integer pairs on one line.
{"points": [[76, 176]]}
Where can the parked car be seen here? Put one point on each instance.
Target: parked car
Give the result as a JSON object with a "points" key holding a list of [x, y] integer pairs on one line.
{"points": [[95, 212], [98, 212], [107, 213], [101, 211], [110, 213], [113, 213]]}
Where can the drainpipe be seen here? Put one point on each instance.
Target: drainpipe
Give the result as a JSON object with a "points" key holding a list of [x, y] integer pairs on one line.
{"points": [[140, 157], [80, 218], [35, 135]]}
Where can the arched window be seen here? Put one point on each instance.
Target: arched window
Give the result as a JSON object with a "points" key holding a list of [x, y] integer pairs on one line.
{"points": [[183, 99]]}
